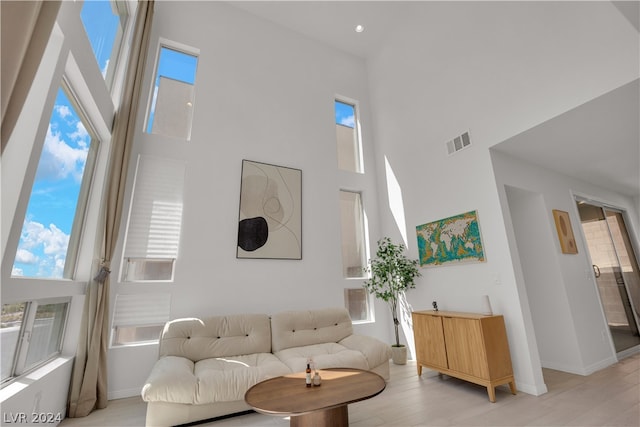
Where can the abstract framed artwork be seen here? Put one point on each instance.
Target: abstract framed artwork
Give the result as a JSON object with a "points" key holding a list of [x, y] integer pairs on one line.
{"points": [[270, 217], [565, 232], [451, 240]]}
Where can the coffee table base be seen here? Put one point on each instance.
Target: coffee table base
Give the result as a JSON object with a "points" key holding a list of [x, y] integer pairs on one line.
{"points": [[334, 417]]}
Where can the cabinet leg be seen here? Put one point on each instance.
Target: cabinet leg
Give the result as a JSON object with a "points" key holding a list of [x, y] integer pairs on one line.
{"points": [[419, 369], [492, 393], [512, 386]]}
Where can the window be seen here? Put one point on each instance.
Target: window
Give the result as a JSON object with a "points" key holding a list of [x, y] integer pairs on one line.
{"points": [[354, 256], [31, 334], [155, 220], [104, 22], [347, 137], [55, 214], [10, 328], [139, 318], [357, 302], [172, 104]]}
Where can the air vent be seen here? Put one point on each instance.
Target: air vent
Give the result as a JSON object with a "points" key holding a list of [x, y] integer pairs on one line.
{"points": [[458, 143]]}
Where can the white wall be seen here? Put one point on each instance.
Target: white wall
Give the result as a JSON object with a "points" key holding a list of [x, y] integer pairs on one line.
{"points": [[265, 94], [495, 69], [570, 326]]}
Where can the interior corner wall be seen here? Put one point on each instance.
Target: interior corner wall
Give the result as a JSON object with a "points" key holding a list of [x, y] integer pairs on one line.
{"points": [[579, 315], [493, 69], [542, 280], [266, 94]]}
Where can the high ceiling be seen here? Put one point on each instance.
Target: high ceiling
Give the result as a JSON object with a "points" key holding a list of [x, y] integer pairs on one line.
{"points": [[333, 22], [597, 142]]}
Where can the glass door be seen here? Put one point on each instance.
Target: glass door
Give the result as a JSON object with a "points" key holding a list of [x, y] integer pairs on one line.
{"points": [[615, 266]]}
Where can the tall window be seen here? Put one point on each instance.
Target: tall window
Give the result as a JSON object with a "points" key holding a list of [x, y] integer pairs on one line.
{"points": [[354, 256], [155, 220], [53, 222], [171, 109], [104, 22], [347, 137]]}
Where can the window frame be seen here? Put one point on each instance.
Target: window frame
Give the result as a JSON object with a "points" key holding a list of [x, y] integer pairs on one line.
{"points": [[143, 172], [368, 303], [151, 101], [19, 365], [85, 188], [159, 315], [124, 11], [358, 148], [363, 231]]}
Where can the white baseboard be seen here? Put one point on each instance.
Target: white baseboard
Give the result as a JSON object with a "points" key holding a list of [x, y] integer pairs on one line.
{"points": [[535, 390], [123, 394], [584, 370]]}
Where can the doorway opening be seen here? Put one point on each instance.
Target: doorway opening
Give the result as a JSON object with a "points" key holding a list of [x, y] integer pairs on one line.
{"points": [[615, 266]]}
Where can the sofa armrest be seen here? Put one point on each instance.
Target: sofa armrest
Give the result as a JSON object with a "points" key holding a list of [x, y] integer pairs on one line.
{"points": [[375, 351], [171, 379]]}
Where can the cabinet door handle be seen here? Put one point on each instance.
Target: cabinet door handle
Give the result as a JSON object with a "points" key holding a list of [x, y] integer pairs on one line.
{"points": [[596, 270]]}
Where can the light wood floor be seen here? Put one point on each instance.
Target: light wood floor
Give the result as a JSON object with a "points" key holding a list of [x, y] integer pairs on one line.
{"points": [[610, 397]]}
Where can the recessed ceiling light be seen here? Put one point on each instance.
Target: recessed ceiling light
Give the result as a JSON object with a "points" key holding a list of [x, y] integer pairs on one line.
{"points": [[359, 28]]}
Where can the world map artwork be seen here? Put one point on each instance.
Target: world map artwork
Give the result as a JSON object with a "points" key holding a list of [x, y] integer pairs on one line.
{"points": [[451, 240]]}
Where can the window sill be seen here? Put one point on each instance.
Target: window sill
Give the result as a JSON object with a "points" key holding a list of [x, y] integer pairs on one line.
{"points": [[363, 322], [136, 344], [21, 382]]}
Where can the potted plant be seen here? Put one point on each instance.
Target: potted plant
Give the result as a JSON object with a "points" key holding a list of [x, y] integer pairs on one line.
{"points": [[392, 273]]}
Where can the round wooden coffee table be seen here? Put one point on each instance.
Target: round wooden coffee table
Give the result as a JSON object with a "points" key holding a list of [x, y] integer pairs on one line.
{"points": [[325, 405]]}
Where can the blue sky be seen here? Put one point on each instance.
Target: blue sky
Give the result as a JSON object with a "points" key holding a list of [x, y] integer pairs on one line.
{"points": [[47, 226], [345, 114]]}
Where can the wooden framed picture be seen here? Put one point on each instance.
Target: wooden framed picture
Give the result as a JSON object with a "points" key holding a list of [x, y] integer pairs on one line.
{"points": [[565, 232]]}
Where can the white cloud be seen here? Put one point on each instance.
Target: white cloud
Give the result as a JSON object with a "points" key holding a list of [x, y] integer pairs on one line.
{"points": [[55, 241], [17, 272], [63, 111], [59, 160], [51, 240], [348, 121], [35, 235], [80, 135], [58, 270], [24, 256]]}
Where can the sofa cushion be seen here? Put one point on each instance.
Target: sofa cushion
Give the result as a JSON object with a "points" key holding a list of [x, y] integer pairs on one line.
{"points": [[328, 355], [302, 328], [223, 379], [219, 336], [227, 379]]}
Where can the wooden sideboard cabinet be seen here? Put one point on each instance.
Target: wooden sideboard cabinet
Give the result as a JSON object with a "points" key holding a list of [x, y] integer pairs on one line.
{"points": [[469, 346]]}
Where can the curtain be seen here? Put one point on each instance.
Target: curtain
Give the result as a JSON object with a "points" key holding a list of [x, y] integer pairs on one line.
{"points": [[88, 390], [26, 28]]}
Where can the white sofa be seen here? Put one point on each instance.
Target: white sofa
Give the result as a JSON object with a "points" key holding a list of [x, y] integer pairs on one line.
{"points": [[205, 366]]}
